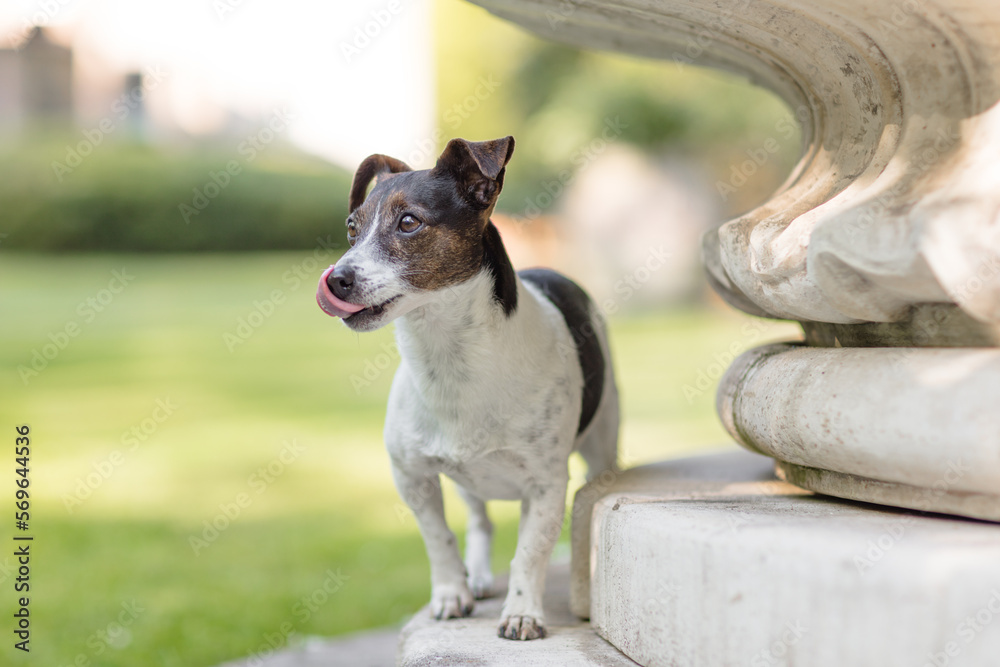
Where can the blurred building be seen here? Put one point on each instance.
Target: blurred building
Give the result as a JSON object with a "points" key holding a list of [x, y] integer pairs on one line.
{"points": [[237, 67], [36, 83], [40, 86]]}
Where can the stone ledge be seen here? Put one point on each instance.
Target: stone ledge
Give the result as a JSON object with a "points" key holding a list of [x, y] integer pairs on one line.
{"points": [[723, 474], [759, 573], [473, 641]]}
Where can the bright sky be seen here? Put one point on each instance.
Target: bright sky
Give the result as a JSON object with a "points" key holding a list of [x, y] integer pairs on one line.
{"points": [[357, 76]]}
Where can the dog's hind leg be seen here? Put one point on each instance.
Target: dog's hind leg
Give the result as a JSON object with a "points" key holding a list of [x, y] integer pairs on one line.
{"points": [[478, 543], [599, 444], [599, 448]]}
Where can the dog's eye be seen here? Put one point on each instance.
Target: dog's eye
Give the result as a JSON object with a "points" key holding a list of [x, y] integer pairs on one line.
{"points": [[408, 224], [352, 231]]}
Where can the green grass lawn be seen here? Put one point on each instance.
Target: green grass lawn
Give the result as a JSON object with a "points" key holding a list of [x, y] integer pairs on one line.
{"points": [[150, 421]]}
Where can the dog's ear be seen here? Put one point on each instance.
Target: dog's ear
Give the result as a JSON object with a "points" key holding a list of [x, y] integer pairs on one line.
{"points": [[373, 166], [478, 167]]}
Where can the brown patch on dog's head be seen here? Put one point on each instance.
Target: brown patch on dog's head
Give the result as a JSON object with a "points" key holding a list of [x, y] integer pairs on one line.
{"points": [[430, 224], [417, 232]]}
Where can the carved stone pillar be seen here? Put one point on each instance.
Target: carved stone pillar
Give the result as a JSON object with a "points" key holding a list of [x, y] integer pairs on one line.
{"points": [[885, 236]]}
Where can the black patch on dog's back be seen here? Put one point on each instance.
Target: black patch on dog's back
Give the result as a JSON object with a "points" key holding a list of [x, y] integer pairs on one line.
{"points": [[574, 304]]}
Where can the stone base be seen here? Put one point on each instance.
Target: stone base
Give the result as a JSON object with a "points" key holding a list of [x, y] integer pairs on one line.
{"points": [[912, 427], [473, 641], [678, 479], [854, 487], [757, 572]]}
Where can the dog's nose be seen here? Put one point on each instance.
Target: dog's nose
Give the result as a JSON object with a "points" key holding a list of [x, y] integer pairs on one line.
{"points": [[341, 281]]}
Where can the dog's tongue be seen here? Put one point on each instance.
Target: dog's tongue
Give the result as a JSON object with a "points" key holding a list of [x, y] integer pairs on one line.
{"points": [[329, 302]]}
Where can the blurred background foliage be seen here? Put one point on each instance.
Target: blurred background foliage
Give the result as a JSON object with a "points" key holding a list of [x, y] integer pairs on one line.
{"points": [[555, 100], [126, 196]]}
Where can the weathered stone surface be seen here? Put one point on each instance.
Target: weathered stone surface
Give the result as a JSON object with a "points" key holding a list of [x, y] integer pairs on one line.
{"points": [[896, 199], [473, 641], [927, 325], [856, 487], [680, 479], [760, 574], [923, 422]]}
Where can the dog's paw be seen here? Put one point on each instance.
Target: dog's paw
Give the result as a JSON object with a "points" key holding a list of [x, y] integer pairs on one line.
{"points": [[521, 627], [481, 584], [450, 601]]}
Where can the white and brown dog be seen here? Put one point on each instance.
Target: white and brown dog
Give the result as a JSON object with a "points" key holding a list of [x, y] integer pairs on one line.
{"points": [[502, 375]]}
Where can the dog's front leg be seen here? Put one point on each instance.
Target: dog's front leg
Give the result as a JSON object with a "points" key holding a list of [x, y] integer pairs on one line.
{"points": [[541, 522], [450, 594]]}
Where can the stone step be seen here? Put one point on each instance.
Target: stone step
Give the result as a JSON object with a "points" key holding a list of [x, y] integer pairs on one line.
{"points": [[473, 641], [711, 561]]}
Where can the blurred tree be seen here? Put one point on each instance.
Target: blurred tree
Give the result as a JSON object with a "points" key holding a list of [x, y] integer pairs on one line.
{"points": [[557, 100], [136, 197]]}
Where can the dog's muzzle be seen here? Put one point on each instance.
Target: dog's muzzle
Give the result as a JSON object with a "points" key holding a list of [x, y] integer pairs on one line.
{"points": [[330, 303]]}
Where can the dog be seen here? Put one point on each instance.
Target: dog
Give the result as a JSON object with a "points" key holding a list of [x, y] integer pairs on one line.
{"points": [[502, 375]]}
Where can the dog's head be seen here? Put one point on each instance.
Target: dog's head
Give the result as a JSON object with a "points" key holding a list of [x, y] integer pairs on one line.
{"points": [[415, 232]]}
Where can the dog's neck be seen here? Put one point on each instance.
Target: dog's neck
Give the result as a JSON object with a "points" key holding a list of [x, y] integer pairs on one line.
{"points": [[453, 319], [456, 336]]}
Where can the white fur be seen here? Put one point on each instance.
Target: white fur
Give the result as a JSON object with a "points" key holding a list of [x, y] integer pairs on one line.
{"points": [[494, 403]]}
